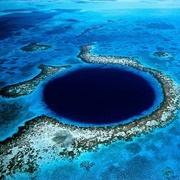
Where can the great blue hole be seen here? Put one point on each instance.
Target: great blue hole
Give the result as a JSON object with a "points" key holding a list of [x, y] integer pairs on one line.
{"points": [[96, 95]]}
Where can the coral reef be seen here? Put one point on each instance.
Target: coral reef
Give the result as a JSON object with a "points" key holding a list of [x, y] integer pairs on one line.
{"points": [[91, 29], [44, 139], [86, 165], [27, 87], [35, 47], [163, 54], [63, 138], [169, 174]]}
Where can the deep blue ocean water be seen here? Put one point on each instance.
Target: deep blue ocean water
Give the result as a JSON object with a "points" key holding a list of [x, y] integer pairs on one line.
{"points": [[98, 95], [133, 29]]}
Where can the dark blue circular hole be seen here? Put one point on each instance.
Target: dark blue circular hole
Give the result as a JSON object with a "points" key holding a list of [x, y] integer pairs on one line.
{"points": [[98, 95]]}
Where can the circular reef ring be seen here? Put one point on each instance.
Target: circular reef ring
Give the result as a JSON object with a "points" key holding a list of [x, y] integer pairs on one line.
{"points": [[51, 138]]}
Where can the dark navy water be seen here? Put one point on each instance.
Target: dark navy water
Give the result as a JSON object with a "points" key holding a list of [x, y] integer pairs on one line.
{"points": [[99, 95]]}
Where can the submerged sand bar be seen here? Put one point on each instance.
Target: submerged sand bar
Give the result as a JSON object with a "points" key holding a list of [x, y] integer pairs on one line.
{"points": [[45, 139]]}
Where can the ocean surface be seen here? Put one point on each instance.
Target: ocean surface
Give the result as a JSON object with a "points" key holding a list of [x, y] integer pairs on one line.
{"points": [[135, 29]]}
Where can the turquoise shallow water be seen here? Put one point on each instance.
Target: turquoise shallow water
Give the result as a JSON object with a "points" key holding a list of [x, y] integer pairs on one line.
{"points": [[118, 30]]}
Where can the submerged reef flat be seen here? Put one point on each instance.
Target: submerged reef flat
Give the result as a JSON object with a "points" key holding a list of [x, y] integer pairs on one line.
{"points": [[45, 139], [27, 87]]}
